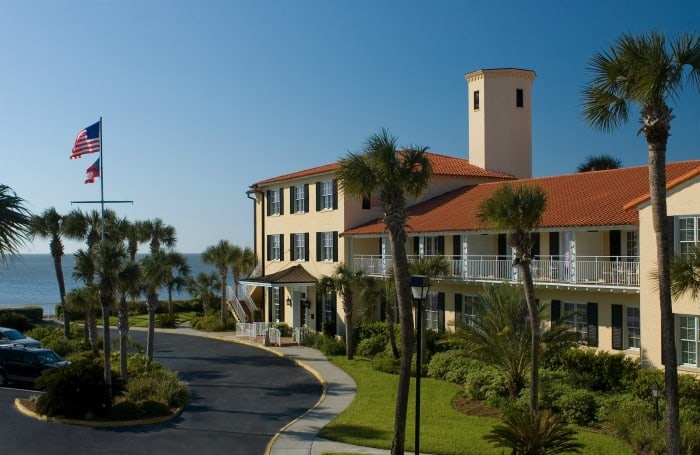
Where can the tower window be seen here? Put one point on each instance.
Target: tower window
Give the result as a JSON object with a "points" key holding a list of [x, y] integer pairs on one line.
{"points": [[518, 97], [476, 100]]}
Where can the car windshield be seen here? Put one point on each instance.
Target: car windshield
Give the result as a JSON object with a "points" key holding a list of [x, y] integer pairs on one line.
{"points": [[12, 334], [47, 357]]}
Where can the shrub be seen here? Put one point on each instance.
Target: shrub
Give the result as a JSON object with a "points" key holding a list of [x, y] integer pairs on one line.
{"points": [[485, 383], [166, 321], [598, 371], [211, 322], [284, 328], [159, 385], [76, 391], [641, 386], [34, 315], [365, 330], [385, 363], [151, 408], [328, 328], [15, 320], [333, 346], [369, 347], [126, 410], [632, 420], [578, 407]]}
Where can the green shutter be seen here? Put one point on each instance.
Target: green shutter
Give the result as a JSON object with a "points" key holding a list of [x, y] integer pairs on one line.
{"points": [[306, 246], [319, 246], [306, 198], [592, 314], [441, 312], [318, 196], [617, 329], [555, 312], [335, 246], [335, 194]]}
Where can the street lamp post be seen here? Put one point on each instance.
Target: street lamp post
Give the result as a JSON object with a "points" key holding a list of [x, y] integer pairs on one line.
{"points": [[655, 393], [420, 285]]}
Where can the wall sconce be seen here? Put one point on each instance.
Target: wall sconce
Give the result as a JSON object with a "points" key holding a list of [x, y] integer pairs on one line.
{"points": [[307, 303], [289, 301]]}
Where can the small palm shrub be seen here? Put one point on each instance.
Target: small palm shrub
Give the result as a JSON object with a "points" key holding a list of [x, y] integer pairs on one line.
{"points": [[158, 385], [166, 321], [527, 433], [211, 322]]}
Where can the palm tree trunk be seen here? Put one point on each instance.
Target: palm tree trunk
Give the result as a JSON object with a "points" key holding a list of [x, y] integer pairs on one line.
{"points": [[403, 294], [123, 340], [390, 330], [152, 300], [223, 298], [58, 267], [91, 323], [349, 345], [107, 349], [533, 314], [657, 192]]}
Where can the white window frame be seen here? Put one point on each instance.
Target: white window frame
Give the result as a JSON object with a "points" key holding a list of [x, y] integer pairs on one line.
{"points": [[299, 247], [468, 309], [327, 307], [326, 195], [688, 233], [430, 245], [577, 318], [688, 340], [327, 246], [432, 314], [632, 244], [275, 202], [276, 247], [275, 304], [633, 339], [299, 199]]}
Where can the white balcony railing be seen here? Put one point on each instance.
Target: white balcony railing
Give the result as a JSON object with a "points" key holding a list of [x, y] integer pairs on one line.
{"points": [[604, 271]]}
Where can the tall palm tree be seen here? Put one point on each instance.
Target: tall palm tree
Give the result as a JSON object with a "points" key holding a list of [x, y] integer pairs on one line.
{"points": [[155, 274], [84, 270], [201, 287], [178, 272], [88, 226], [86, 300], [518, 210], [243, 265], [48, 225], [160, 234], [599, 163], [110, 257], [128, 285], [221, 256], [135, 233], [342, 281], [14, 223], [392, 175], [645, 72]]}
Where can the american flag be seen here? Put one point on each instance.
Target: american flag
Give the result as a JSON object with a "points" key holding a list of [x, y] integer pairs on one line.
{"points": [[92, 172], [88, 141]]}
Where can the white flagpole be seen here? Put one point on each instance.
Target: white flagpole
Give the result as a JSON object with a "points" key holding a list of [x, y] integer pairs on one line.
{"points": [[102, 184]]}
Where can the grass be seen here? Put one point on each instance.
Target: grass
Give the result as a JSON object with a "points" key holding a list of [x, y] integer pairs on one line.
{"points": [[141, 320], [368, 421]]}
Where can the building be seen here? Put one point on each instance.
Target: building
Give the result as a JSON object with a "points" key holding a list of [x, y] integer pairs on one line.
{"points": [[593, 252]]}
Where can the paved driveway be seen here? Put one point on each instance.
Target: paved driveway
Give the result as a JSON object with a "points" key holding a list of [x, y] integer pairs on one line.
{"points": [[241, 396]]}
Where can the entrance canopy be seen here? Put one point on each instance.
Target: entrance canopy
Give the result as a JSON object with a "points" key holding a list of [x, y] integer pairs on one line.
{"points": [[292, 276]]}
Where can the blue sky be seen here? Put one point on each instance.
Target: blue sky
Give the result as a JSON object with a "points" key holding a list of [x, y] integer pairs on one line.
{"points": [[200, 99]]}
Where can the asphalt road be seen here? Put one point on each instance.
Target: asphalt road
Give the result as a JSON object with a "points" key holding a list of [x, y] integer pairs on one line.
{"points": [[241, 396]]}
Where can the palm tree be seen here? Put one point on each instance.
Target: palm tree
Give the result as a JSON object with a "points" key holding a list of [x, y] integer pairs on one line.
{"points": [[155, 273], [134, 233], [221, 256], [128, 285], [160, 234], [88, 226], [432, 267], [201, 287], [518, 210], [86, 301], [84, 270], [685, 274], [392, 175], [48, 225], [599, 163], [109, 260], [178, 271], [643, 71], [243, 265], [342, 281], [14, 223]]}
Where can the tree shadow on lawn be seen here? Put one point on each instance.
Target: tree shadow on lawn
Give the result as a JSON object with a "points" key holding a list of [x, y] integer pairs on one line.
{"points": [[343, 432]]}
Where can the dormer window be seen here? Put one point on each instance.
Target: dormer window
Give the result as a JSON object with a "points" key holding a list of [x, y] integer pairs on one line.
{"points": [[519, 102], [476, 100]]}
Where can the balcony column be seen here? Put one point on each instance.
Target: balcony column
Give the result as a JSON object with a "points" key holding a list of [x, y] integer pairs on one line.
{"points": [[570, 256], [465, 255], [513, 270]]}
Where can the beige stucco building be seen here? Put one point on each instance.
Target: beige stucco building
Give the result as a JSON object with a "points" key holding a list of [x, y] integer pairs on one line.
{"points": [[594, 252]]}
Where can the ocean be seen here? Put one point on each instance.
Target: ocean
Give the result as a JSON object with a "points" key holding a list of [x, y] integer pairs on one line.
{"points": [[30, 279]]}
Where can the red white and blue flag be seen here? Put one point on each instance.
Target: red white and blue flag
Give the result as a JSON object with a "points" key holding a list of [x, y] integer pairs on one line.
{"points": [[88, 141], [92, 172]]}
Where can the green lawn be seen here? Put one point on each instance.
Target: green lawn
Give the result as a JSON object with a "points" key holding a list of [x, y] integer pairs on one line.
{"points": [[368, 421], [142, 319]]}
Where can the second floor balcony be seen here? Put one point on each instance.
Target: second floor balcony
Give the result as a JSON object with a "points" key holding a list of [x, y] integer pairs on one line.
{"points": [[616, 272]]}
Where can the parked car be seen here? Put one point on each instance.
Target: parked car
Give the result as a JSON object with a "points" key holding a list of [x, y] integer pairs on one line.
{"points": [[12, 336], [20, 363]]}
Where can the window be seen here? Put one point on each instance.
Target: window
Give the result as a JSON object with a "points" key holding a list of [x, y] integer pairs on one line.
{"points": [[275, 303], [465, 309], [431, 311], [632, 244], [275, 248], [366, 204], [519, 97], [689, 340], [274, 202], [633, 328], [326, 195], [327, 246], [434, 245], [577, 318], [299, 198], [476, 100], [689, 233], [299, 242]]}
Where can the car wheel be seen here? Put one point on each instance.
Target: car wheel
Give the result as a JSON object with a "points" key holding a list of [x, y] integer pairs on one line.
{"points": [[3, 379]]}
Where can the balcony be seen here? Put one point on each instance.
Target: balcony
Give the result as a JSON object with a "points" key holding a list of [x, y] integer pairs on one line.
{"points": [[615, 272]]}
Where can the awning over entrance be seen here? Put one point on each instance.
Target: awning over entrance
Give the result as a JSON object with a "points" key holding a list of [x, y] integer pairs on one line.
{"points": [[293, 276]]}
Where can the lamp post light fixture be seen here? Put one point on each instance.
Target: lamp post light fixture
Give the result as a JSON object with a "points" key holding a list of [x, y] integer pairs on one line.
{"points": [[420, 285], [655, 393], [289, 301]]}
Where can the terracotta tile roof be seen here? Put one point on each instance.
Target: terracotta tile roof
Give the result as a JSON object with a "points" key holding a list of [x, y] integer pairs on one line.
{"points": [[596, 198], [442, 165]]}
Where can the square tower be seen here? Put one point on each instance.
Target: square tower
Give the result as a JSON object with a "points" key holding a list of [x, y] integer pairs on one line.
{"points": [[500, 120]]}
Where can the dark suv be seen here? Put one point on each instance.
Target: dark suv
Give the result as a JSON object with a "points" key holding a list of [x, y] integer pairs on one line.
{"points": [[20, 363]]}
